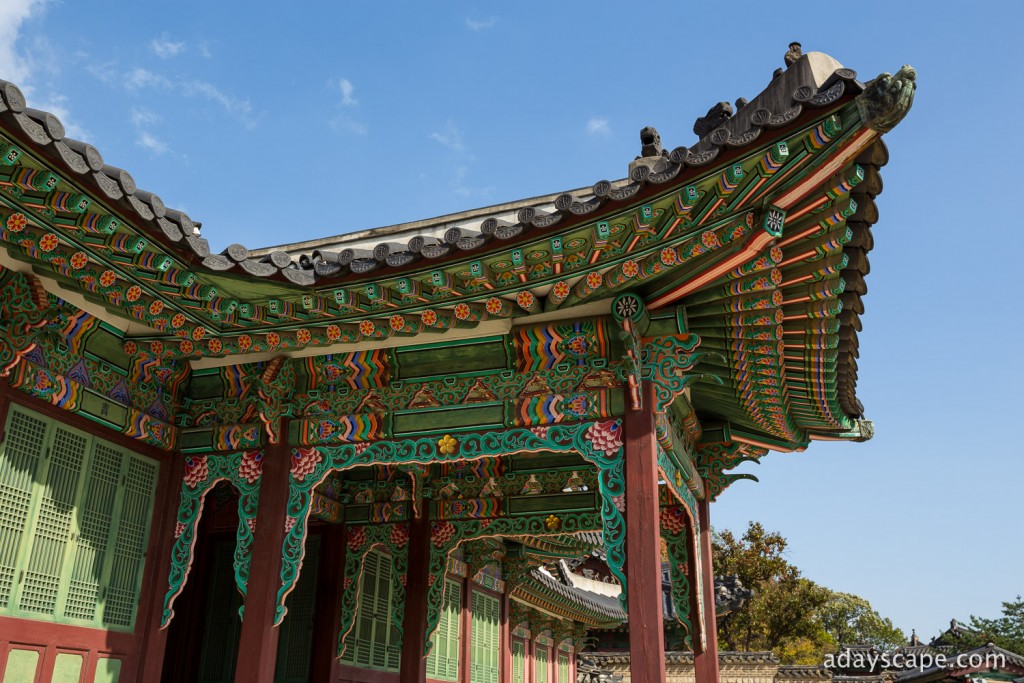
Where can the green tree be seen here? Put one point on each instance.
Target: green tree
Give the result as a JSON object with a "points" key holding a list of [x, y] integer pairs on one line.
{"points": [[850, 619], [790, 615], [1006, 631]]}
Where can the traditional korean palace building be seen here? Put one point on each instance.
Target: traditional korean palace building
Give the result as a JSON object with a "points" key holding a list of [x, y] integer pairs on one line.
{"points": [[358, 459]]}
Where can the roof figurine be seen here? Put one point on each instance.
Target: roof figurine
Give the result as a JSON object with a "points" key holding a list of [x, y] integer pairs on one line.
{"points": [[794, 53], [716, 116]]}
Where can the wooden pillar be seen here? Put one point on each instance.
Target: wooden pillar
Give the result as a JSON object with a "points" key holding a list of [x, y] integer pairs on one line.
{"points": [[257, 644], [505, 662], [327, 619], [5, 404], [466, 632], [414, 627], [152, 638], [643, 544], [706, 662]]}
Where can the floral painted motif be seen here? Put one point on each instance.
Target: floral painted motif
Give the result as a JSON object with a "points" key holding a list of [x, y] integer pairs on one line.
{"points": [[179, 529], [447, 444], [560, 289], [552, 523], [304, 462], [673, 520], [244, 342], [178, 320], [79, 260], [133, 293], [333, 333], [356, 537], [156, 347], [669, 256], [366, 327], [49, 242], [108, 278], [429, 317], [594, 279], [156, 307], [709, 239], [605, 437], [494, 305], [399, 535], [526, 299], [273, 339], [630, 268], [198, 333], [303, 336], [441, 532], [461, 311], [396, 322], [130, 348], [214, 345], [196, 470], [16, 222], [186, 347], [251, 466]]}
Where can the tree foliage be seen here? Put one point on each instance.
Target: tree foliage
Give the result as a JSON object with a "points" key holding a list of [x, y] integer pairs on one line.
{"points": [[1006, 631], [789, 614]]}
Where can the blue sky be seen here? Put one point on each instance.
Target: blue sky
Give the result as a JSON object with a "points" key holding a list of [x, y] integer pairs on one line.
{"points": [[277, 123]]}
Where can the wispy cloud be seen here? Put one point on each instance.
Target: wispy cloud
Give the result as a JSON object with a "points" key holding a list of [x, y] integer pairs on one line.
{"points": [[143, 120], [451, 138], [140, 78], [481, 24], [598, 126], [346, 88], [461, 159], [147, 140], [344, 120], [165, 48]]}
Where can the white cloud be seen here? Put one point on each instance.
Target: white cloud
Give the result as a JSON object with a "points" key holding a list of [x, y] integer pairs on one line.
{"points": [[344, 122], [450, 138], [142, 117], [147, 140], [165, 48], [481, 24], [598, 126], [15, 66], [139, 78], [346, 88]]}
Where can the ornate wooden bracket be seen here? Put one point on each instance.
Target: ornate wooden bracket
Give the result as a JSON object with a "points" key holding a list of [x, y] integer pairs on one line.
{"points": [[267, 396], [715, 459]]}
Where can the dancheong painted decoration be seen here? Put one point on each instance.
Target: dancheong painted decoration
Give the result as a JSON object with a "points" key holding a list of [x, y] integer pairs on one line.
{"points": [[454, 451]]}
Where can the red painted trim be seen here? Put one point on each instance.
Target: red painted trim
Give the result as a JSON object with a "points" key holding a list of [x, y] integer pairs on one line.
{"points": [[5, 402], [643, 543], [466, 632], [147, 660], [505, 643], [353, 674], [414, 626], [325, 665], [257, 643], [50, 639], [78, 422], [706, 663]]}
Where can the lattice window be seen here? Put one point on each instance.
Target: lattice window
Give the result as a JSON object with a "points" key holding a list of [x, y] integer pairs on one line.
{"points": [[485, 636], [563, 668], [74, 520], [518, 662], [374, 642], [540, 664], [443, 662], [294, 645]]}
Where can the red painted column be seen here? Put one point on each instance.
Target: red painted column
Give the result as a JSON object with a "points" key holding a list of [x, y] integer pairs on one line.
{"points": [[706, 662], [466, 632], [505, 663], [153, 639], [643, 544], [257, 644], [414, 627], [5, 403], [327, 619]]}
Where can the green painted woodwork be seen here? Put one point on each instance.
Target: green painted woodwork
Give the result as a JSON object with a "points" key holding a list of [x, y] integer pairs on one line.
{"points": [[374, 642], [563, 669], [518, 662], [75, 523], [540, 664], [441, 359], [485, 638], [21, 666], [295, 642], [107, 671], [443, 660], [67, 668]]}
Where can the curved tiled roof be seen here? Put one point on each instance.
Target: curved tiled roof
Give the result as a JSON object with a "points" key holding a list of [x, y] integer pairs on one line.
{"points": [[816, 80]]}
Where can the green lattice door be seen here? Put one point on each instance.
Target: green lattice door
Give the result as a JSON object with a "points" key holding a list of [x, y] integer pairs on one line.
{"points": [[74, 520], [540, 662], [443, 661], [374, 642], [222, 627], [295, 643], [518, 661], [563, 668], [485, 636]]}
